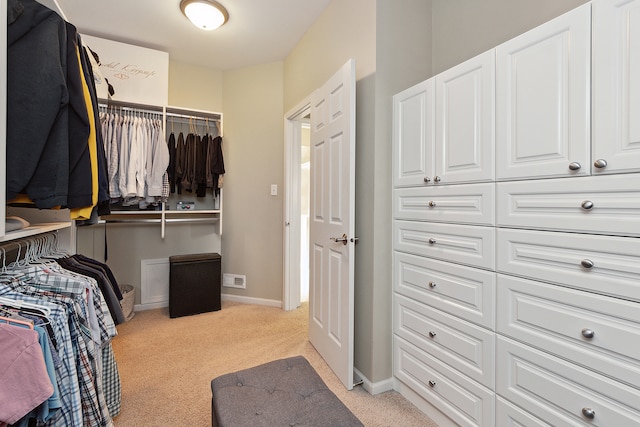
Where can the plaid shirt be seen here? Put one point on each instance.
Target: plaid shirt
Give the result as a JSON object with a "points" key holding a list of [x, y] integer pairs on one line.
{"points": [[90, 329]]}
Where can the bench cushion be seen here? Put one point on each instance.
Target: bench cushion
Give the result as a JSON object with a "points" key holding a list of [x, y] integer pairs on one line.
{"points": [[285, 392]]}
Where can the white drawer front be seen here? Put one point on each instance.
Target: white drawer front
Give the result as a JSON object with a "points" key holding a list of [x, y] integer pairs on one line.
{"points": [[464, 244], [463, 346], [600, 204], [558, 258], [560, 392], [472, 204], [466, 292], [509, 415], [592, 330], [463, 400]]}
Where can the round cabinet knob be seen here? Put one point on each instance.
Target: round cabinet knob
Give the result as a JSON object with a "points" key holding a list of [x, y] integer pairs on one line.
{"points": [[587, 205], [575, 166], [589, 413], [436, 179], [600, 163], [432, 241], [427, 179], [587, 263], [588, 333], [432, 284], [432, 383], [432, 334], [432, 204]]}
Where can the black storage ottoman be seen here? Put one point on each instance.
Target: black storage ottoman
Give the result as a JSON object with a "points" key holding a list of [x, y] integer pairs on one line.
{"points": [[194, 284]]}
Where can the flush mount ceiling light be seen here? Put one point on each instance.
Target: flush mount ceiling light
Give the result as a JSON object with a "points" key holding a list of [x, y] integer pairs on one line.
{"points": [[204, 14]]}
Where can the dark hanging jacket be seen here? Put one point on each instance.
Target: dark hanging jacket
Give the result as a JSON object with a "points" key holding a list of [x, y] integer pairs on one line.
{"points": [[37, 105]]}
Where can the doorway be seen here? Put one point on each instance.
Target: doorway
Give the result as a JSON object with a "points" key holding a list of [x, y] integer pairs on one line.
{"points": [[297, 163]]}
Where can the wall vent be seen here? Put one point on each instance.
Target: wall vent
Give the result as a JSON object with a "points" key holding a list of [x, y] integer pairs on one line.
{"points": [[234, 280]]}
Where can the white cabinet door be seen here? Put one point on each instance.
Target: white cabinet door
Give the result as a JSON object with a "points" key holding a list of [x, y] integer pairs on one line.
{"points": [[413, 134], [465, 130], [616, 86], [543, 100]]}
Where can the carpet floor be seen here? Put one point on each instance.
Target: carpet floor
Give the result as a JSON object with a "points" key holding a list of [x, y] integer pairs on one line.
{"points": [[166, 365]]}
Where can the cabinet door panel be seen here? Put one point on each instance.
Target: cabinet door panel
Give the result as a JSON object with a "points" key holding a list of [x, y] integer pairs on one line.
{"points": [[465, 105], [413, 133], [543, 99], [616, 85]]}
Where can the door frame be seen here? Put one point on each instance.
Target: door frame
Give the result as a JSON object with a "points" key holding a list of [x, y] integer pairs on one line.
{"points": [[292, 225]]}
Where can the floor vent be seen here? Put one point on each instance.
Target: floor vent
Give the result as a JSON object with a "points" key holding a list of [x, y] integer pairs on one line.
{"points": [[234, 280]]}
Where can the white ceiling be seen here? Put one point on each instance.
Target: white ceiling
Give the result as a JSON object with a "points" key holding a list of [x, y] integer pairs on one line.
{"points": [[258, 31]]}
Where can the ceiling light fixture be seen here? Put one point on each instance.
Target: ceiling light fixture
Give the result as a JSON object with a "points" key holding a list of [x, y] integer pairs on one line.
{"points": [[204, 14]]}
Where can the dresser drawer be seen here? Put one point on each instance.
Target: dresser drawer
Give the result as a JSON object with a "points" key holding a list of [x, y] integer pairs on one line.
{"points": [[465, 292], [472, 204], [559, 257], [463, 400], [463, 346], [464, 244], [560, 392], [595, 205], [592, 330], [509, 415]]}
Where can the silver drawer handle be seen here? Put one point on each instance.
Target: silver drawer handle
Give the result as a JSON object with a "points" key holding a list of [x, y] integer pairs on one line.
{"points": [[589, 413], [427, 179], [432, 241], [600, 163], [432, 334], [574, 166], [587, 205], [587, 263], [432, 284], [432, 204], [436, 179], [588, 333], [432, 383]]}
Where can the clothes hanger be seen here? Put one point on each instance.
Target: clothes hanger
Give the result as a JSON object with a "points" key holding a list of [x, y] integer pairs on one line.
{"points": [[24, 304]]}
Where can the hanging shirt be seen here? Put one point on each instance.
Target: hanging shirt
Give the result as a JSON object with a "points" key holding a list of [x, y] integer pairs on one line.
{"points": [[24, 381]]}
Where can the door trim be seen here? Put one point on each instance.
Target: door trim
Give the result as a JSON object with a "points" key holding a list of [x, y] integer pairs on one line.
{"points": [[292, 225]]}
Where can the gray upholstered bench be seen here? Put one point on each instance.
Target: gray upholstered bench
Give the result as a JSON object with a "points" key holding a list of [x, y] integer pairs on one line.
{"points": [[285, 392]]}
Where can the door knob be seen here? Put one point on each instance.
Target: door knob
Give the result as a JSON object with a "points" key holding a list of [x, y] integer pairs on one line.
{"points": [[574, 166], [342, 239]]}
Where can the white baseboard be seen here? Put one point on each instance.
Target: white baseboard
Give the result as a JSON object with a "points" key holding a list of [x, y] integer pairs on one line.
{"points": [[224, 297], [373, 388], [250, 300], [150, 306]]}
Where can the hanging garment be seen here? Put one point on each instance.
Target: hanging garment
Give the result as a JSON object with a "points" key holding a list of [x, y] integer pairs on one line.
{"points": [[24, 380], [37, 105]]}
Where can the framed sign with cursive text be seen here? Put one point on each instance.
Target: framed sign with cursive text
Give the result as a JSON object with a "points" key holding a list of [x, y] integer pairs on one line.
{"points": [[137, 74]]}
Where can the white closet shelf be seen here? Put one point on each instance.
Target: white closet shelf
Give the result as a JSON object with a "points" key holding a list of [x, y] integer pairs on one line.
{"points": [[34, 229]]}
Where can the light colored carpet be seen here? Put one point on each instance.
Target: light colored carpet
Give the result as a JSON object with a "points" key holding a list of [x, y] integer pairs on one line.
{"points": [[166, 365]]}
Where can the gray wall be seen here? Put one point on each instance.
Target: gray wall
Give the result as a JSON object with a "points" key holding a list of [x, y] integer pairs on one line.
{"points": [[463, 29]]}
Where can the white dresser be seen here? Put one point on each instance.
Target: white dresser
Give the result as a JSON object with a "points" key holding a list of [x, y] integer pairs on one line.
{"points": [[516, 229]]}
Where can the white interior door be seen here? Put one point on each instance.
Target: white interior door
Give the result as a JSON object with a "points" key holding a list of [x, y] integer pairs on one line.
{"points": [[332, 222]]}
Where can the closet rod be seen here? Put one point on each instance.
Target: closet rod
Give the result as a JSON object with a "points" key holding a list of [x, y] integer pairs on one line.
{"points": [[110, 103], [17, 249], [154, 221], [212, 117]]}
